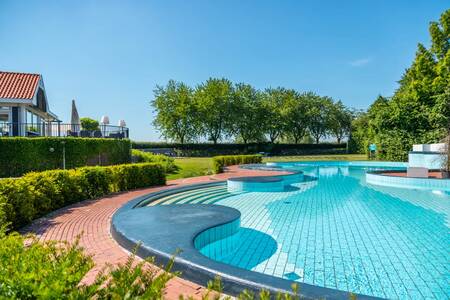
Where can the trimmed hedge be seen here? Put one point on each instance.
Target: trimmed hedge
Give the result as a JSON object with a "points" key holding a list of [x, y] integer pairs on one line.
{"points": [[36, 194], [220, 162], [138, 156], [208, 149], [20, 155]]}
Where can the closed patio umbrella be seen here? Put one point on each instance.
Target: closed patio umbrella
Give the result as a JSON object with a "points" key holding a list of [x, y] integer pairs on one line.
{"points": [[75, 123]]}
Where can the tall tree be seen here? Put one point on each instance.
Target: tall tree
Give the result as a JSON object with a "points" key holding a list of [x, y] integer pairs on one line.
{"points": [[340, 120], [418, 111], [213, 100], [247, 113], [297, 118], [175, 111], [319, 111], [274, 104]]}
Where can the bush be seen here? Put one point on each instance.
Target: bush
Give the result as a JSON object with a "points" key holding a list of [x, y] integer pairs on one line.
{"points": [[30, 269], [89, 124], [38, 193], [164, 160], [220, 162], [20, 155], [208, 149]]}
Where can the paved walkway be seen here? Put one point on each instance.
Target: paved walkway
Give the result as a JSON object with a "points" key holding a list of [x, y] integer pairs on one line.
{"points": [[90, 220]]}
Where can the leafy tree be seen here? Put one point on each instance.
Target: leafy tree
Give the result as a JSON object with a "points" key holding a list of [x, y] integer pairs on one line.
{"points": [[358, 140], [274, 104], [247, 113], [419, 110], [89, 124], [318, 112], [176, 112], [340, 120], [213, 100], [296, 114]]}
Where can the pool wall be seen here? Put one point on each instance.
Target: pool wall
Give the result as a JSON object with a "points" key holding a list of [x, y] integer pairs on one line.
{"points": [[383, 179]]}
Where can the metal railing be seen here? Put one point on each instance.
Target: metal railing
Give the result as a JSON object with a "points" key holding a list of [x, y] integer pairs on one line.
{"points": [[57, 129]]}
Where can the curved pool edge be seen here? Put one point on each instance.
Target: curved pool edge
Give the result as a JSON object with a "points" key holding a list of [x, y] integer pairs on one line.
{"points": [[382, 178], [129, 227]]}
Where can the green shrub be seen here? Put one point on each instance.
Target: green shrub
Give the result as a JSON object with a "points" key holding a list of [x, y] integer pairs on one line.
{"points": [[30, 269], [20, 155], [164, 160], [89, 124], [36, 194], [220, 162], [209, 149]]}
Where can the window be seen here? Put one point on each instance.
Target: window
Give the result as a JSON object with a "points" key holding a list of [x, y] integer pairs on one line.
{"points": [[41, 101]]}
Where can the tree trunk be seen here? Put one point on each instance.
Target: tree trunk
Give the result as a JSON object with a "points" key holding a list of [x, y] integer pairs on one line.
{"points": [[338, 140], [317, 140]]}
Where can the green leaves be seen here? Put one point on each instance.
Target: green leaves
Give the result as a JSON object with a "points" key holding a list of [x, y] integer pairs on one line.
{"points": [[220, 162], [36, 194], [419, 110], [20, 155], [30, 269], [176, 111], [89, 124], [219, 109]]}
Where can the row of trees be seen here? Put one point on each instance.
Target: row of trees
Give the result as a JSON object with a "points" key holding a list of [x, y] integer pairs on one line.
{"points": [[218, 109], [419, 111]]}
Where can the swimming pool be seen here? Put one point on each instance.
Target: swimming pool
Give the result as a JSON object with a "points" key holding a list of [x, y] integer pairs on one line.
{"points": [[334, 230]]}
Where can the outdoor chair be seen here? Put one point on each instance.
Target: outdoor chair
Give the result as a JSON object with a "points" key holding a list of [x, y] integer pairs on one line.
{"points": [[72, 133], [97, 134], [85, 133]]}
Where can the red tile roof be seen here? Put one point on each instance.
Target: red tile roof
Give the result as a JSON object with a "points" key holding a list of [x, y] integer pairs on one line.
{"points": [[18, 85]]}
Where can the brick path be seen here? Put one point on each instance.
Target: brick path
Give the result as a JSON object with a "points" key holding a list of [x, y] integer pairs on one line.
{"points": [[91, 221]]}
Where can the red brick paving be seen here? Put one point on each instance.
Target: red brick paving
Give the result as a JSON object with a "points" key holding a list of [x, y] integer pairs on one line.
{"points": [[90, 221]]}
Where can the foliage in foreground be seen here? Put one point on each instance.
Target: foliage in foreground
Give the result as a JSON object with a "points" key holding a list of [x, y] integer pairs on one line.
{"points": [[30, 269], [220, 162], [167, 162], [36, 194]]}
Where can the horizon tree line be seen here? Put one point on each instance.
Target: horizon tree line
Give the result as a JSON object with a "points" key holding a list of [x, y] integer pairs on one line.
{"points": [[217, 109]]}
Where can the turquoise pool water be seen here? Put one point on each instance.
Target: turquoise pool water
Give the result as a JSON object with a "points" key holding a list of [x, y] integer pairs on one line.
{"points": [[336, 231]]}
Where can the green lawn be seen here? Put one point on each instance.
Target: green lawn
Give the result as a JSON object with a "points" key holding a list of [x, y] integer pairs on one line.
{"points": [[191, 167], [198, 166]]}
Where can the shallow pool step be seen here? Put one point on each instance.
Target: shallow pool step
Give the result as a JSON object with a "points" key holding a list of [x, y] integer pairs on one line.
{"points": [[175, 197], [200, 196]]}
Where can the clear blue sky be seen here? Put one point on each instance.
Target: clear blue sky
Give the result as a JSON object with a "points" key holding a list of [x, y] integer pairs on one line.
{"points": [[109, 55]]}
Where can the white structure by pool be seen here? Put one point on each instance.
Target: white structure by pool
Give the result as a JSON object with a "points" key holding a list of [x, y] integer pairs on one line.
{"points": [[430, 156]]}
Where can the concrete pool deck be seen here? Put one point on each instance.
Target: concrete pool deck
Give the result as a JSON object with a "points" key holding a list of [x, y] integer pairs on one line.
{"points": [[91, 221]]}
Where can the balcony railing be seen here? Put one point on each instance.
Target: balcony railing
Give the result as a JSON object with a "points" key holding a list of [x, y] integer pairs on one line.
{"points": [[57, 129]]}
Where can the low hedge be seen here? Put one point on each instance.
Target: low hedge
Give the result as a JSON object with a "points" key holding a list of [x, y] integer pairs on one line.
{"points": [[38, 193], [20, 155], [220, 162], [138, 156], [208, 149]]}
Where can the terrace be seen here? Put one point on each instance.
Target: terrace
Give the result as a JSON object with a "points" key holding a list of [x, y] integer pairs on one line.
{"points": [[24, 111], [59, 129]]}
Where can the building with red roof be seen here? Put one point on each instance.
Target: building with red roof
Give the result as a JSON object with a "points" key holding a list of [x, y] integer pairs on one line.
{"points": [[24, 108]]}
